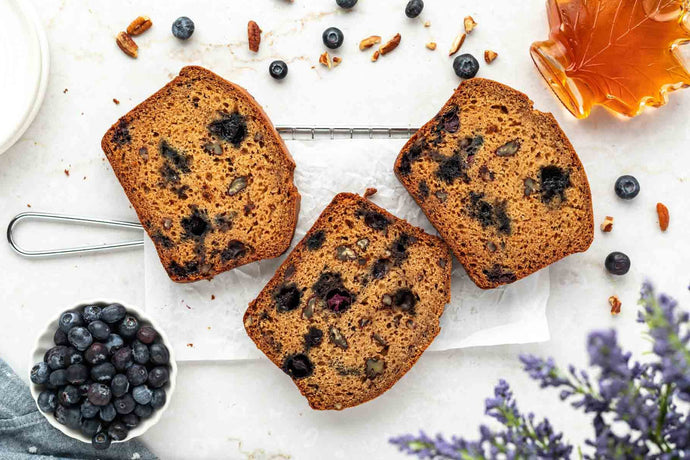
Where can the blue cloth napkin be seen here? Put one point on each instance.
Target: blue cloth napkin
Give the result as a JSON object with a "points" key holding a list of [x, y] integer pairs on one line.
{"points": [[26, 435]]}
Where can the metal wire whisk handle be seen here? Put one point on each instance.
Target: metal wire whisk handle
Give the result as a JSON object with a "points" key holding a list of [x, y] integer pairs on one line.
{"points": [[316, 133], [71, 219]]}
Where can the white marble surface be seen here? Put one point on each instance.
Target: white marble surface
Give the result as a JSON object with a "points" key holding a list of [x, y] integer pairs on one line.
{"points": [[250, 409]]}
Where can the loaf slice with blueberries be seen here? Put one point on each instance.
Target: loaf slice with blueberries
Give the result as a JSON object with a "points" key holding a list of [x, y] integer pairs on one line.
{"points": [[208, 175], [354, 305], [500, 182]]}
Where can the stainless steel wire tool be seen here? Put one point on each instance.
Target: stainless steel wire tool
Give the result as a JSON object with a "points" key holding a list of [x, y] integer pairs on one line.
{"points": [[301, 133]]}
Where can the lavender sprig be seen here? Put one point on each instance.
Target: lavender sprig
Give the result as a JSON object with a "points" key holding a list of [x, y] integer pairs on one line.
{"points": [[634, 406]]}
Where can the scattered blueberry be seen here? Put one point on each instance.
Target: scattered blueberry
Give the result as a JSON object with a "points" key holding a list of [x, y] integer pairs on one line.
{"points": [[70, 319], [144, 411], [58, 378], [100, 441], [114, 343], [122, 359], [117, 431], [333, 38], [129, 327], [146, 334], [103, 372], [627, 187], [159, 354], [140, 352], [69, 416], [77, 374], [465, 66], [69, 396], [142, 394], [80, 338], [130, 420], [183, 28], [108, 413], [278, 69], [414, 8], [60, 337], [57, 357], [89, 409], [47, 401], [158, 376], [347, 4], [158, 399], [617, 263], [40, 373], [124, 404], [91, 426], [99, 394], [113, 313], [99, 330], [92, 313], [97, 353], [137, 375], [119, 385]]}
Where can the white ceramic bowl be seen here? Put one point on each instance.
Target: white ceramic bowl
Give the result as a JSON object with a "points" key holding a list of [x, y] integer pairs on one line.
{"points": [[45, 342]]}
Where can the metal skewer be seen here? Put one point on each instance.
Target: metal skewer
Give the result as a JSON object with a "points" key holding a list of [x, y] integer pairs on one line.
{"points": [[286, 132]]}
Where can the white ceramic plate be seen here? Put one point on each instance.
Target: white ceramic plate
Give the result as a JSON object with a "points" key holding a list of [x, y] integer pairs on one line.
{"points": [[45, 342], [24, 61]]}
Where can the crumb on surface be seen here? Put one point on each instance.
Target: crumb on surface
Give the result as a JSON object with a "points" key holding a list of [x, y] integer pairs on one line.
{"points": [[370, 191], [28, 205], [190, 345], [116, 101], [67, 172], [213, 297], [65, 91]]}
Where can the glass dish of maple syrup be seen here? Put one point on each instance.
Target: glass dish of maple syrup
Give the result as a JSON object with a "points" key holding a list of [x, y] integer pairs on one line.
{"points": [[621, 54]]}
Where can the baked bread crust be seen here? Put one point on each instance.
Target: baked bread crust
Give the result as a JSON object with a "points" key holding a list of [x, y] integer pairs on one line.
{"points": [[208, 175], [500, 182], [354, 305]]}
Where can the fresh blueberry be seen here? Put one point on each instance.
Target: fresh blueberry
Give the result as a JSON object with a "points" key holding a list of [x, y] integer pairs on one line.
{"points": [[347, 4], [129, 327], [57, 357], [137, 374], [627, 187], [89, 409], [124, 404], [99, 394], [77, 374], [60, 337], [113, 313], [144, 411], [70, 319], [159, 354], [117, 431], [142, 394], [108, 413], [103, 372], [91, 426], [114, 343], [617, 263], [99, 330], [80, 338], [333, 37], [119, 385], [158, 399], [183, 28], [140, 352], [97, 353], [47, 401], [158, 376], [69, 396], [100, 441], [74, 357], [130, 420], [58, 378], [69, 416], [122, 359], [146, 334], [40, 373], [278, 69], [92, 313], [465, 66], [414, 8]]}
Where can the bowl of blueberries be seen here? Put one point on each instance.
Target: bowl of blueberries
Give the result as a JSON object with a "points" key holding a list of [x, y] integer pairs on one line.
{"points": [[102, 373]]}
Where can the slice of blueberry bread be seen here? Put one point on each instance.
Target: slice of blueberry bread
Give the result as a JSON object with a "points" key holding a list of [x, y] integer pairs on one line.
{"points": [[208, 175], [500, 182], [354, 305]]}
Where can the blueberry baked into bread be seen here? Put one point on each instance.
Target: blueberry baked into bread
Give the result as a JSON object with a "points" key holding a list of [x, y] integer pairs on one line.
{"points": [[354, 305], [500, 182], [208, 175]]}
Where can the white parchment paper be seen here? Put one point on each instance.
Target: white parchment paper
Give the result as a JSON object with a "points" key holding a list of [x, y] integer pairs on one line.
{"points": [[204, 319]]}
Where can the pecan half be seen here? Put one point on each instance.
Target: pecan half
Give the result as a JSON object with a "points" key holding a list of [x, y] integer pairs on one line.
{"points": [[139, 25], [254, 36], [390, 45], [127, 45], [664, 218]]}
